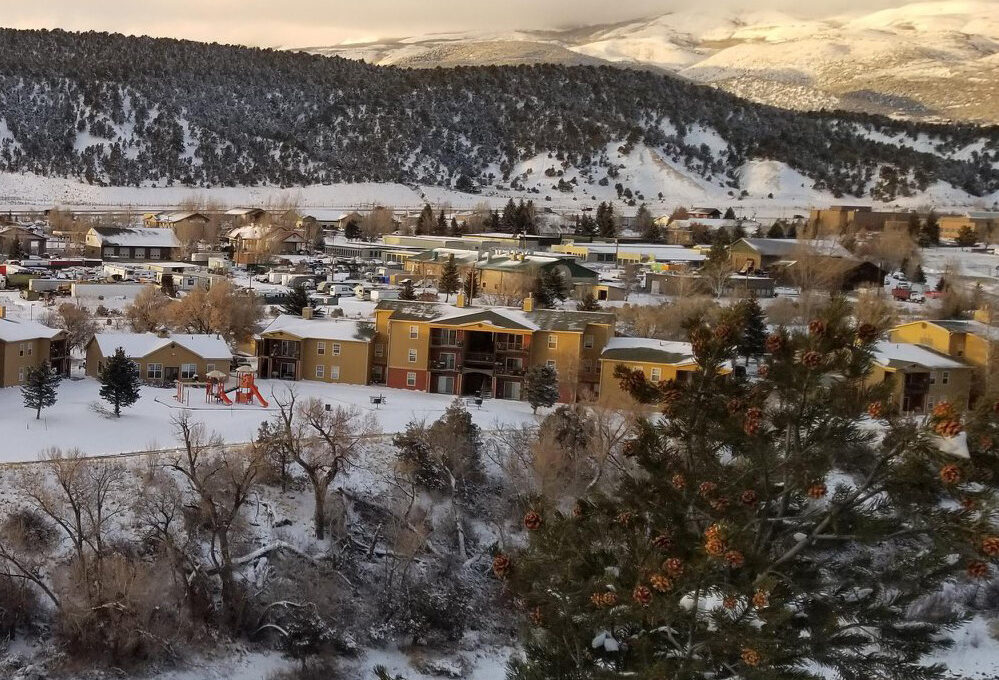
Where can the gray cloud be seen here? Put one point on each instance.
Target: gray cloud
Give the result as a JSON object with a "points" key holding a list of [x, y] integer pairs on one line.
{"points": [[322, 22]]}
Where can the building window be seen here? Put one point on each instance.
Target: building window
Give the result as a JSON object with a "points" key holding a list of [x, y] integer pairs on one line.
{"points": [[657, 374], [320, 371], [209, 368], [414, 332], [320, 348], [154, 253], [933, 377], [154, 371], [188, 371], [379, 350], [411, 379], [550, 363], [336, 349], [20, 374], [946, 378], [587, 366], [20, 350], [552, 341], [412, 356], [335, 372], [140, 253], [588, 341]]}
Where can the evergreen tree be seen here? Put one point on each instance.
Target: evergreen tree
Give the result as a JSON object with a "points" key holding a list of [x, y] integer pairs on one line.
{"points": [[471, 283], [15, 251], [508, 222], [606, 226], [406, 290], [918, 276], [39, 388], [754, 329], [119, 381], [929, 233], [352, 231], [966, 237], [454, 229], [549, 288], [296, 300], [776, 229], [450, 279], [941, 285], [792, 231], [588, 304], [646, 224], [786, 528], [541, 386], [441, 227], [729, 213], [319, 243], [587, 226], [425, 222]]}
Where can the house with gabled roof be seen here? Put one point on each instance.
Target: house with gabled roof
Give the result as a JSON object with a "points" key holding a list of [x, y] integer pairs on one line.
{"points": [[25, 344], [658, 360], [921, 377], [466, 350], [304, 348], [132, 243], [161, 357]]}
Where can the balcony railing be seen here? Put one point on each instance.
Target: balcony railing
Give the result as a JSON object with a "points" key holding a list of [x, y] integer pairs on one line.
{"points": [[284, 353], [444, 366], [444, 342], [510, 347], [480, 358], [510, 372]]}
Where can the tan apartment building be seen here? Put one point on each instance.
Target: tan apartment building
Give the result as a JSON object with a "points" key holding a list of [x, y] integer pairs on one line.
{"points": [[921, 378], [658, 360], [303, 348], [850, 219], [463, 350], [985, 225], [162, 358], [26, 344]]}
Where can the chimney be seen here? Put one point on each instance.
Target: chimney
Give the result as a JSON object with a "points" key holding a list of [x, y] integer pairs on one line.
{"points": [[529, 303], [307, 312], [460, 301]]}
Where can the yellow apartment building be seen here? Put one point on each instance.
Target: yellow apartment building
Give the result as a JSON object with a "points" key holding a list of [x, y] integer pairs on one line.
{"points": [[162, 358], [921, 378], [327, 350], [26, 344]]}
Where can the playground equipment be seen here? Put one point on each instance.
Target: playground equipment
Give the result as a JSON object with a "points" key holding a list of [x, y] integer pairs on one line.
{"points": [[215, 388], [246, 391]]}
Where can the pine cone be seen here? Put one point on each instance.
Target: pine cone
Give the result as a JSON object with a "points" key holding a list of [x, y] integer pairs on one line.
{"points": [[714, 531], [990, 546], [995, 408], [734, 405], [723, 332], [735, 559], [968, 504], [714, 547], [662, 541], [578, 509], [948, 428], [678, 481], [817, 327], [978, 569], [867, 333], [674, 566], [761, 600], [874, 409], [751, 657], [950, 474], [501, 565], [730, 602], [609, 599], [624, 518], [642, 595], [661, 583], [817, 490], [532, 521], [751, 427], [811, 359], [719, 504], [774, 343], [763, 371], [707, 488], [748, 497], [754, 413], [944, 410], [535, 616]]}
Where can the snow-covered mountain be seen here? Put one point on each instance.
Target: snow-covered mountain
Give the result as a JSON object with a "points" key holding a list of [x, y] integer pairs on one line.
{"points": [[929, 60]]}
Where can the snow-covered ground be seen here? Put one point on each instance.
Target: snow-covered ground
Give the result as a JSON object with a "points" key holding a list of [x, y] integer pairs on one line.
{"points": [[146, 426]]}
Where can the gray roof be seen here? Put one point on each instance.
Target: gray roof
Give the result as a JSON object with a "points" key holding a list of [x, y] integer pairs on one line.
{"points": [[513, 318], [782, 247]]}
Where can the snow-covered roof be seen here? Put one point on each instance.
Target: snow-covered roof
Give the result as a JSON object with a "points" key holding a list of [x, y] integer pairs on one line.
{"points": [[648, 350], [178, 216], [138, 237], [259, 231], [321, 329], [12, 330], [901, 354], [783, 246], [657, 251], [138, 345], [513, 318]]}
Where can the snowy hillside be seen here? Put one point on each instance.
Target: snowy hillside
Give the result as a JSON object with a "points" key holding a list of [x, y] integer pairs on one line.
{"points": [[903, 61]]}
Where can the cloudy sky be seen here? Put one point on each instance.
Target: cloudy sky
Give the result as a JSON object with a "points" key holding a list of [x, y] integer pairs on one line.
{"points": [[323, 22]]}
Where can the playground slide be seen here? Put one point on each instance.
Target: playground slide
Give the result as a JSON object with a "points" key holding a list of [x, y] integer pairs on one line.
{"points": [[224, 397], [255, 392]]}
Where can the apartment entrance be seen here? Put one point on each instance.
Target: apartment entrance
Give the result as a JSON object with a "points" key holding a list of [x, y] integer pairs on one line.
{"points": [[476, 383]]}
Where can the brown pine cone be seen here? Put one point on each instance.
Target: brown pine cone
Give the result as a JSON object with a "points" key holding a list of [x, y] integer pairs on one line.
{"points": [[774, 343], [723, 332], [763, 371], [950, 474], [761, 600], [501, 565], [642, 595], [662, 541], [751, 657], [578, 510], [817, 490], [674, 566], [719, 504], [978, 569], [730, 602], [867, 333], [734, 405], [661, 583], [714, 531], [735, 559], [597, 599], [944, 410], [748, 497], [948, 428], [754, 413], [811, 359], [625, 518], [990, 546], [609, 599], [751, 427], [817, 327], [707, 488], [985, 442], [714, 547], [678, 481], [874, 409], [968, 504], [532, 521]]}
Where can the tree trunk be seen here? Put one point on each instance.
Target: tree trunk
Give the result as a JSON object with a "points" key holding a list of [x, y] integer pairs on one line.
{"points": [[226, 577], [38, 412], [319, 513]]}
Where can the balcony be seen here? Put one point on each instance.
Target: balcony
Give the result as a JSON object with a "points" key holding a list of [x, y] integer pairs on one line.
{"points": [[480, 359], [444, 366], [502, 370], [444, 342], [512, 348], [278, 352]]}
